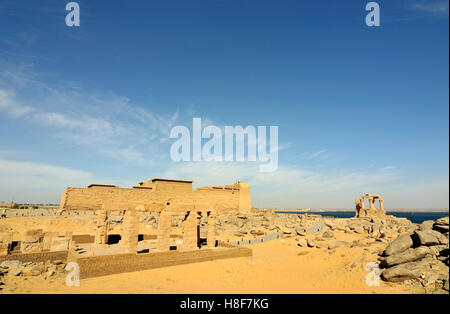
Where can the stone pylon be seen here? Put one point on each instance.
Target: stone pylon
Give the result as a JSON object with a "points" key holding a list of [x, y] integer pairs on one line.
{"points": [[211, 236]]}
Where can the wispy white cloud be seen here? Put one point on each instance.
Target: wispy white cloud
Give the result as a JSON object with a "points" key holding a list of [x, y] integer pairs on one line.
{"points": [[424, 195], [103, 122], [433, 7], [37, 182], [316, 154], [313, 154], [291, 186], [11, 106]]}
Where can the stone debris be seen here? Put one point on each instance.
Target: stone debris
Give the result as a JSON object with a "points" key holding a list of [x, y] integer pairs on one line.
{"points": [[388, 227], [259, 224], [421, 256], [14, 268]]}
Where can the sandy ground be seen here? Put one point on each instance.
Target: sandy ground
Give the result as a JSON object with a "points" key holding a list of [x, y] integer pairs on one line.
{"points": [[278, 266]]}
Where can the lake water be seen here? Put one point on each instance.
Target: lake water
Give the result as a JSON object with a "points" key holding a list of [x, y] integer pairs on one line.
{"points": [[415, 217]]}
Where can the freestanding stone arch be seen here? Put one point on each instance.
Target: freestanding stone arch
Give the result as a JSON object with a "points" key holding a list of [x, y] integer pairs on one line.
{"points": [[372, 211]]}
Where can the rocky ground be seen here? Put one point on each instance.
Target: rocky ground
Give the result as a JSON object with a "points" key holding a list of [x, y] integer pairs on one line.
{"points": [[421, 257], [413, 258], [14, 273]]}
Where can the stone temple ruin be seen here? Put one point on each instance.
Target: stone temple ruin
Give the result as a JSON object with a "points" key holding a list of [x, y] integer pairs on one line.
{"points": [[372, 211], [190, 226], [97, 255], [222, 198]]}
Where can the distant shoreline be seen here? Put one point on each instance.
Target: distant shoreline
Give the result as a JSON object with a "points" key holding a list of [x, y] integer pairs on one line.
{"points": [[398, 210]]}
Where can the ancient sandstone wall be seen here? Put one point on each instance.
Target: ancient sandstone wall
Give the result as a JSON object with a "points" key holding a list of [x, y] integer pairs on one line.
{"points": [[106, 265], [228, 197]]}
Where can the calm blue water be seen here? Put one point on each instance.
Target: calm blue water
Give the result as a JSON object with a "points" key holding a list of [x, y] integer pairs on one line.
{"points": [[415, 217]]}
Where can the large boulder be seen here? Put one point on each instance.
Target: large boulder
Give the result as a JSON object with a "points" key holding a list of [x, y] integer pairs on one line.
{"points": [[328, 235], [300, 230], [302, 242], [317, 227], [412, 270], [284, 229], [257, 231], [443, 221], [402, 243], [441, 224], [426, 225], [329, 223], [10, 264], [410, 255], [34, 269], [431, 237], [14, 267], [336, 244]]}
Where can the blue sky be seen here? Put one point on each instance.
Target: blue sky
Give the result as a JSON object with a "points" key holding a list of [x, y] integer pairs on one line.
{"points": [[360, 109]]}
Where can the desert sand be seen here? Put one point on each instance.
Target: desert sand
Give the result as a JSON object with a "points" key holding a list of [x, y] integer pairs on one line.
{"points": [[278, 266]]}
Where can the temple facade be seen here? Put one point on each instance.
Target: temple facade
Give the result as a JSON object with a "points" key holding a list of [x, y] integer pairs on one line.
{"points": [[153, 192]]}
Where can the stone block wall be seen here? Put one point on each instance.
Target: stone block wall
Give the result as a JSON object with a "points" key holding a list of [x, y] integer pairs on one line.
{"points": [[115, 264], [229, 197]]}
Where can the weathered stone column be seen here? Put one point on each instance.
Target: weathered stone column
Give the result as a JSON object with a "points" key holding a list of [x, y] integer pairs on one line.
{"points": [[358, 208], [101, 233], [382, 211], [5, 242], [130, 231], [190, 232], [211, 237], [372, 204], [163, 239], [4, 248]]}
